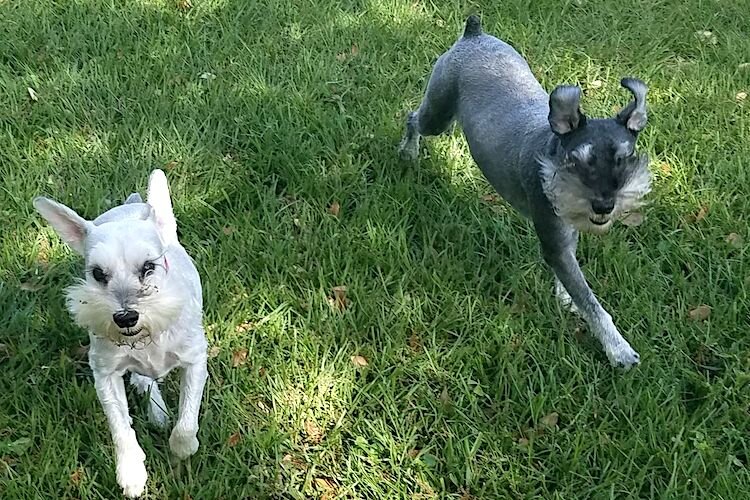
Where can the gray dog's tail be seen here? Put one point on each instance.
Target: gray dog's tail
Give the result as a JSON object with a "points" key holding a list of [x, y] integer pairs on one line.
{"points": [[473, 26]]}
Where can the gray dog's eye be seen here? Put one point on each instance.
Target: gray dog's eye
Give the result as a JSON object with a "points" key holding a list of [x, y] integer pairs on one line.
{"points": [[99, 275], [147, 269]]}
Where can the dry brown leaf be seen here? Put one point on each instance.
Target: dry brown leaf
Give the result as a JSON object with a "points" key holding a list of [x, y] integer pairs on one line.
{"points": [[234, 439], [735, 240], [214, 352], [170, 166], [359, 361], [244, 327], [491, 198], [290, 460], [414, 453], [550, 420], [261, 372], [184, 5], [700, 215], [740, 96], [665, 168], [32, 94], [76, 476], [415, 343], [444, 396], [80, 352], [633, 219], [313, 432], [324, 484], [700, 313], [334, 209], [339, 300], [32, 285], [227, 230], [239, 357]]}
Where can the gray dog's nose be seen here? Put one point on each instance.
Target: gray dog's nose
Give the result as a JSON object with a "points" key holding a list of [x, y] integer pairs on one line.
{"points": [[125, 319], [603, 207]]}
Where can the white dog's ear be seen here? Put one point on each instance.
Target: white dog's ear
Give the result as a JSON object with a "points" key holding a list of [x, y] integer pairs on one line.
{"points": [[71, 227], [158, 198]]}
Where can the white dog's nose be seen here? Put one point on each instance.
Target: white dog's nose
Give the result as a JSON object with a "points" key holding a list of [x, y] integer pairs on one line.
{"points": [[125, 319]]}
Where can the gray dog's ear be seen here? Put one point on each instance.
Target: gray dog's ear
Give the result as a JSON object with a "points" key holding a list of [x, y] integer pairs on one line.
{"points": [[564, 111], [634, 115], [71, 227]]}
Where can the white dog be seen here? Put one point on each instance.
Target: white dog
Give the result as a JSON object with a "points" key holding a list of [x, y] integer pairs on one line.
{"points": [[141, 302]]}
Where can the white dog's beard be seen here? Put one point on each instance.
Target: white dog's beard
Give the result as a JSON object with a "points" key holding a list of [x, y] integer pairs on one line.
{"points": [[92, 309], [568, 197]]}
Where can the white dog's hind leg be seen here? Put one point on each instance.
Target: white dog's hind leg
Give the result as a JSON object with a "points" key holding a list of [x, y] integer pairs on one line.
{"points": [[157, 409]]}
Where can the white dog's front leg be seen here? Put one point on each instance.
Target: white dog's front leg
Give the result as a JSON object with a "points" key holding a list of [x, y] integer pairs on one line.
{"points": [[129, 457], [184, 441]]}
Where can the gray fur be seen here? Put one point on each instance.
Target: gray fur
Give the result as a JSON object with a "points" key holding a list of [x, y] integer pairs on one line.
{"points": [[564, 171]]}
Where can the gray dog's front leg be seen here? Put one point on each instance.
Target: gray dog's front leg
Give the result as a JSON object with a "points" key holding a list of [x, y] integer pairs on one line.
{"points": [[558, 250]]}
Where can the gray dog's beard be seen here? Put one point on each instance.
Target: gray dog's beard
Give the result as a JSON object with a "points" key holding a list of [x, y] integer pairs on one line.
{"points": [[571, 200]]}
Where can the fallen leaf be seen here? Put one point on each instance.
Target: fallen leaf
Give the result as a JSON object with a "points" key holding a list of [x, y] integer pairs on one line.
{"points": [[491, 198], [700, 313], [445, 397], [324, 483], [184, 5], [550, 420], [702, 212], [207, 76], [261, 371], [244, 327], [32, 94], [665, 168], [170, 166], [735, 240], [214, 352], [633, 219], [414, 453], [339, 297], [239, 357], [740, 96], [76, 476], [706, 37], [313, 432], [234, 439], [32, 285], [80, 352], [227, 230], [334, 209], [290, 460], [415, 343], [359, 361]]}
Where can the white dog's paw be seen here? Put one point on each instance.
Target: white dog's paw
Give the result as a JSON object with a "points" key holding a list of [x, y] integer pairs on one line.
{"points": [[182, 443], [131, 474], [622, 355]]}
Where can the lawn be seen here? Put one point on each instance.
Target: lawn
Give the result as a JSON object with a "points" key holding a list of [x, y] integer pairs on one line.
{"points": [[445, 369]]}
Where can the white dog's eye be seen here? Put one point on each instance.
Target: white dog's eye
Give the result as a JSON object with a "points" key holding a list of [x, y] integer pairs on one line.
{"points": [[99, 275], [147, 269]]}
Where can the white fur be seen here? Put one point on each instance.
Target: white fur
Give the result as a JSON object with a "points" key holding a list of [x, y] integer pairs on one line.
{"points": [[169, 302]]}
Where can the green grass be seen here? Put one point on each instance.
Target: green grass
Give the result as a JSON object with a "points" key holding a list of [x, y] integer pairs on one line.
{"points": [[274, 110]]}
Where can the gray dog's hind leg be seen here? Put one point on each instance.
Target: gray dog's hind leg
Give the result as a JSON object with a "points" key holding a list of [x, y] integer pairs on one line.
{"points": [[435, 113]]}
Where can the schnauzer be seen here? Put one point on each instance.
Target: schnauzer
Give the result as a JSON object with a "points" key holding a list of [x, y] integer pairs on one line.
{"points": [[141, 302], [564, 171]]}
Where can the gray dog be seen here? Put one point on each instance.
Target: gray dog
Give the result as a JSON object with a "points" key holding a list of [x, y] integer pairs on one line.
{"points": [[564, 171]]}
